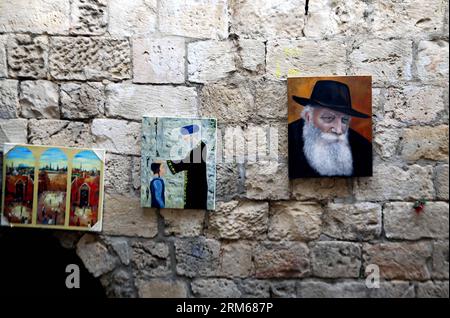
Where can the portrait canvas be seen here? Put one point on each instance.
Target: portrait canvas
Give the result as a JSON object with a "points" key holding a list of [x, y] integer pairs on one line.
{"points": [[178, 163], [52, 187], [330, 126]]}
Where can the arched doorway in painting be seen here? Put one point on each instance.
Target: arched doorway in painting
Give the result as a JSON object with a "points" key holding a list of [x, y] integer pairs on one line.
{"points": [[84, 196], [20, 191]]}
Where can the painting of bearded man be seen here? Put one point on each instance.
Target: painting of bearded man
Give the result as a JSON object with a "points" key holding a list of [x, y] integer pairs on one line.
{"points": [[332, 137]]}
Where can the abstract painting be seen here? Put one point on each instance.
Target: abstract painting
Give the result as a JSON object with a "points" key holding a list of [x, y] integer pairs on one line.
{"points": [[330, 126], [178, 167], [52, 187]]}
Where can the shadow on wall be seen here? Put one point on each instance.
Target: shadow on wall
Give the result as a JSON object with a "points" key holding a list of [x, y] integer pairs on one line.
{"points": [[34, 261]]}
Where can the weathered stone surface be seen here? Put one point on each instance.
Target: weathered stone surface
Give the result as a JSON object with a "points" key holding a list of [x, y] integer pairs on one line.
{"points": [[159, 60], [413, 183], [267, 19], [354, 289], [95, 255], [228, 180], [441, 182], [252, 288], [404, 261], [320, 189], [295, 221], [162, 288], [387, 61], [425, 143], [120, 283], [239, 220], [253, 55], [283, 289], [413, 105], [236, 260], [404, 18], [267, 180], [13, 130], [136, 172], [327, 18], [151, 259], [433, 290], [54, 132], [256, 143], [440, 261], [35, 16], [287, 58], [288, 259], [124, 216], [336, 259], [90, 58], [188, 223], [233, 144], [392, 289], [3, 63], [194, 18], [132, 18], [432, 60], [401, 221], [232, 103], [386, 141], [197, 257], [280, 134], [356, 222], [271, 100], [121, 247], [39, 99], [215, 288], [117, 174], [28, 56], [210, 61], [117, 136], [82, 101], [133, 101], [88, 16], [9, 100]]}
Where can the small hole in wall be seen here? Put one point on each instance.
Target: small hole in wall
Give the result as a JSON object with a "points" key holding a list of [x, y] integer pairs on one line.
{"points": [[33, 264]]}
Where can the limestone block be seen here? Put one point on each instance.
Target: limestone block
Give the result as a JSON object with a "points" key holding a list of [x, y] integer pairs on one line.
{"points": [[159, 60], [132, 17], [39, 99], [90, 58], [206, 19]]}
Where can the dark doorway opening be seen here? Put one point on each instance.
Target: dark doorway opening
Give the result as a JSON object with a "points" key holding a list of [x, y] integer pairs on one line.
{"points": [[20, 190], [84, 196], [33, 264]]}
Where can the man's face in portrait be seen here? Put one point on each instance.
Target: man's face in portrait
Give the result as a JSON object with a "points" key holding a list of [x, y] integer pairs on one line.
{"points": [[329, 121], [326, 144]]}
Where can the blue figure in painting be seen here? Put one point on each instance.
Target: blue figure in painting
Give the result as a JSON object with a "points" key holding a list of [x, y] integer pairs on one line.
{"points": [[196, 183], [157, 186]]}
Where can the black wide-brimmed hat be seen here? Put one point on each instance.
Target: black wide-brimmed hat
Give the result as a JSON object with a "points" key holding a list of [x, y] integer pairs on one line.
{"points": [[333, 95]]}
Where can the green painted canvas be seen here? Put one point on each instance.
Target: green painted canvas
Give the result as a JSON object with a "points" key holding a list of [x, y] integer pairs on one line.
{"points": [[178, 163]]}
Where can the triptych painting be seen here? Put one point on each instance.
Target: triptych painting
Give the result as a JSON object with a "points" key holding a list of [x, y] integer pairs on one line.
{"points": [[52, 187]]}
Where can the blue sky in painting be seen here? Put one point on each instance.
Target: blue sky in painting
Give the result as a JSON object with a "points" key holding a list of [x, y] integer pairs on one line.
{"points": [[55, 157], [87, 159], [20, 156]]}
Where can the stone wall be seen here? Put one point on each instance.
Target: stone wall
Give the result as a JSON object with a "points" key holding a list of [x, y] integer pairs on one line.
{"points": [[83, 72]]}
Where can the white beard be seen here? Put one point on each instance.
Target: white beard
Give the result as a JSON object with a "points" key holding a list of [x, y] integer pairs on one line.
{"points": [[328, 154]]}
